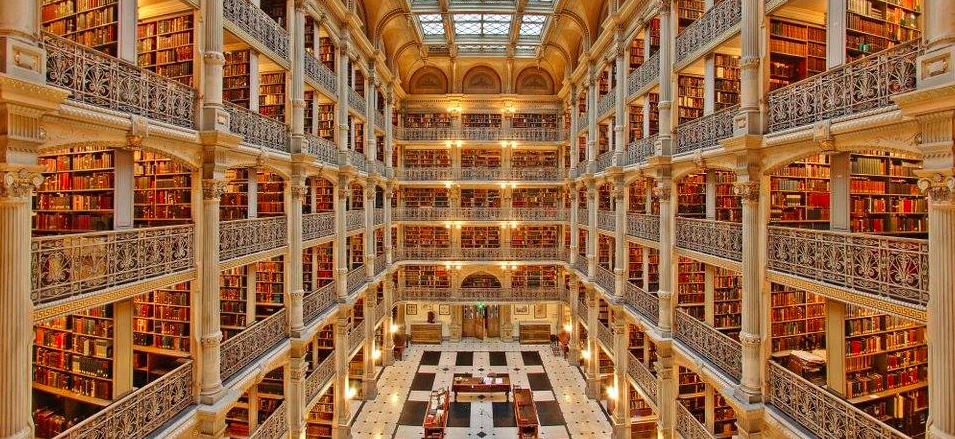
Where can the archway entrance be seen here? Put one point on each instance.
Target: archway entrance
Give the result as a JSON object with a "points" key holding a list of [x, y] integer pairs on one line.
{"points": [[481, 321]]}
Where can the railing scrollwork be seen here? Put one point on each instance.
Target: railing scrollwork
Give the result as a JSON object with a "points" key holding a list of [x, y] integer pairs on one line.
{"points": [[722, 239], [709, 342], [247, 236]]}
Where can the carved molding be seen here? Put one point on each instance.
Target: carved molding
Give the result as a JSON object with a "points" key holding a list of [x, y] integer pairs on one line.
{"points": [[19, 183], [213, 189], [940, 189], [747, 190]]}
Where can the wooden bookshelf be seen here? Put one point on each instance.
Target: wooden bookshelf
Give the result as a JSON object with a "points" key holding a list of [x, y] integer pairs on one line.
{"points": [[653, 270], [691, 286], [269, 287], [724, 417], [605, 253], [690, 95], [326, 121], [427, 158], [92, 23], [471, 120], [582, 151], [358, 128], [639, 191], [535, 198], [534, 333], [427, 276], [637, 52], [233, 301], [643, 422], [165, 46], [727, 301], [875, 25], [800, 194], [691, 196], [727, 81], [272, 95], [324, 195], [689, 11], [277, 10], [355, 251], [636, 122], [603, 139], [309, 108], [309, 34], [308, 267], [653, 27], [238, 419], [535, 120], [654, 128], [426, 237], [480, 237], [581, 240], [690, 386], [425, 197], [480, 158], [326, 52], [162, 191], [161, 320], [797, 50], [523, 159], [235, 78], [77, 192], [797, 319], [427, 120], [356, 372], [884, 196], [635, 264], [534, 276], [729, 206], [472, 198], [318, 423], [234, 203], [270, 194], [324, 264], [535, 237]]}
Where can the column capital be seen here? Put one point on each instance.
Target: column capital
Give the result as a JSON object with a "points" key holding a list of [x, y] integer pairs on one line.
{"points": [[212, 189], [298, 192], [662, 192], [19, 183], [748, 191], [939, 188]]}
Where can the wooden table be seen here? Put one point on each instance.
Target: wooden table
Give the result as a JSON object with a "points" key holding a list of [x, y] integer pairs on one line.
{"points": [[436, 418], [493, 383], [525, 413]]}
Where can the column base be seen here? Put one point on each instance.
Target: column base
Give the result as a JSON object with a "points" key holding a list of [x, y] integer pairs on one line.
{"points": [[210, 397], [369, 389], [388, 356], [745, 396], [341, 432], [593, 388]]}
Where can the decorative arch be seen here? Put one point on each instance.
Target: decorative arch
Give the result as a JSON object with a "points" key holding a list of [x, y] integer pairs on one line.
{"points": [[534, 81], [428, 80], [481, 80], [481, 279]]}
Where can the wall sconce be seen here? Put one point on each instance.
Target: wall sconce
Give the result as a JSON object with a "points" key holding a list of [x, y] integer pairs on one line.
{"points": [[447, 144], [585, 354], [508, 110], [612, 393], [460, 143], [350, 392]]}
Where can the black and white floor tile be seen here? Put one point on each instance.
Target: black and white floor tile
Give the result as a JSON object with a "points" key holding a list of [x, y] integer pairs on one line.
{"points": [[563, 409]]}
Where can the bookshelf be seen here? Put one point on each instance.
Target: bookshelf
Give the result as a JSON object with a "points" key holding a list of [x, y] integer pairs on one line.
{"points": [[637, 54], [309, 105], [800, 194], [636, 122], [162, 191], [76, 195], [637, 196], [471, 198], [480, 158], [522, 159], [92, 23], [427, 158], [797, 50], [727, 301], [276, 10], [73, 356], [161, 321], [534, 276], [603, 139], [727, 81], [233, 301], [729, 206], [269, 287], [326, 121], [690, 95], [689, 11], [691, 196], [165, 47], [270, 194], [653, 270], [309, 34], [582, 151], [691, 286], [426, 237], [308, 267], [724, 417], [324, 195], [653, 27], [884, 196], [235, 78], [272, 95], [322, 346], [535, 198], [581, 242], [875, 25], [237, 418], [427, 276], [324, 265], [425, 197], [470, 120], [318, 423], [535, 120], [691, 393], [643, 422], [635, 264], [797, 319], [356, 251], [654, 128], [358, 143], [427, 120], [605, 246], [356, 371], [234, 203], [480, 237], [535, 237], [326, 52]]}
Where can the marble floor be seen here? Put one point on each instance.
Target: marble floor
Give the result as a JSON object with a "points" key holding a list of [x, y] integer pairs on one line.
{"points": [[563, 409]]}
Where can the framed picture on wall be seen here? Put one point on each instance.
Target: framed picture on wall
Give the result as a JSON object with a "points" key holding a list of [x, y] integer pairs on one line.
{"points": [[411, 309], [520, 310], [444, 310], [540, 311]]}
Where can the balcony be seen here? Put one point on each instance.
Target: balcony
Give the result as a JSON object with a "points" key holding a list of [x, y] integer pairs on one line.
{"points": [[324, 150], [427, 174], [380, 264], [100, 80], [256, 129], [863, 86], [538, 254], [607, 102], [377, 167], [582, 122], [355, 337], [381, 310], [716, 347], [542, 214], [644, 379], [583, 216], [688, 426], [640, 151], [481, 213], [68, 266], [244, 237], [644, 226], [247, 346], [607, 220], [644, 303], [481, 134], [252, 20], [315, 381], [603, 162], [642, 77], [356, 279], [547, 214], [819, 411], [537, 135], [321, 75], [605, 279], [423, 214], [478, 254], [356, 101], [890, 268], [581, 264], [318, 225], [275, 426], [425, 134], [722, 239], [605, 337], [712, 28], [354, 220], [583, 312], [317, 301], [705, 133], [380, 120], [472, 294], [355, 159], [378, 217]]}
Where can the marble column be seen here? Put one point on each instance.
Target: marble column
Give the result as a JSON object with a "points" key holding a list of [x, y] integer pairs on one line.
{"points": [[665, 292], [667, 43], [593, 346], [749, 120], [750, 389], [620, 236], [211, 336], [298, 78], [666, 390], [340, 426], [621, 413], [213, 115], [574, 227], [591, 228], [340, 258], [368, 384], [936, 64], [593, 97], [387, 330], [574, 129], [573, 348], [296, 291], [620, 102], [369, 243], [342, 110], [298, 369]]}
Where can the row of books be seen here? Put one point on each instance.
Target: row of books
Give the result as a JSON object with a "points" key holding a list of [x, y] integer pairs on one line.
{"points": [[68, 181]]}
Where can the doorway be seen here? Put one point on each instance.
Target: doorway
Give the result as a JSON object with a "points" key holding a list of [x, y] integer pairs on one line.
{"points": [[481, 321]]}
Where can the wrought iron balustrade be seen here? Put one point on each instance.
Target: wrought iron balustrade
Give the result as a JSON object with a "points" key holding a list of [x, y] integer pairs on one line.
{"points": [[483, 174], [248, 236], [537, 134], [379, 217], [888, 267], [354, 220], [426, 134], [604, 161], [66, 266], [688, 426], [644, 378], [648, 73], [245, 347], [539, 214], [705, 133], [820, 411], [865, 85], [318, 225], [722, 239], [317, 301], [605, 278], [356, 101], [708, 29], [607, 102], [380, 264], [640, 150], [259, 25], [257, 129], [647, 304], [481, 254], [537, 253], [423, 253], [428, 174], [377, 167], [322, 149], [583, 312], [480, 213], [355, 337], [97, 79], [423, 214], [583, 216], [533, 174], [715, 346], [581, 264], [381, 309], [357, 160], [320, 73], [644, 226], [607, 220], [317, 379], [356, 279], [471, 294], [275, 426], [605, 336], [582, 122], [483, 133]]}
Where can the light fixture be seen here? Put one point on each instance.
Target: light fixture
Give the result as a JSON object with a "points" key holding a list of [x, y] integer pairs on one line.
{"points": [[585, 354], [350, 392], [447, 144], [376, 354], [567, 328], [460, 143], [393, 328], [503, 144], [508, 110], [612, 392]]}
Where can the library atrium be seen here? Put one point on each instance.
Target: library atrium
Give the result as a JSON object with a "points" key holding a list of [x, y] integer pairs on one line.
{"points": [[318, 219]]}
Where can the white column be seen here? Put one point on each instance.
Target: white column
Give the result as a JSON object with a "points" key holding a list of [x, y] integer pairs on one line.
{"points": [[574, 129], [211, 389], [389, 251], [343, 65], [368, 385], [749, 118], [297, 293], [341, 237], [340, 425], [573, 348], [665, 293], [621, 413], [214, 117], [591, 229], [750, 388], [574, 227], [593, 365], [593, 95], [620, 236], [371, 108], [667, 43], [298, 79], [369, 243]]}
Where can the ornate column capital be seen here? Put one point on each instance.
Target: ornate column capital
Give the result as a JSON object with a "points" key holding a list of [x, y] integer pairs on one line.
{"points": [[749, 340], [209, 341], [212, 189], [662, 192], [939, 188], [747, 190], [299, 191], [19, 183]]}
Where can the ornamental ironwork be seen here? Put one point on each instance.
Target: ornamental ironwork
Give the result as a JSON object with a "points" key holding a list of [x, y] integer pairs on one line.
{"points": [[324, 150], [648, 73], [821, 412], [472, 294], [704, 133], [275, 426], [607, 220], [646, 226], [247, 346], [605, 336], [605, 279], [423, 253], [483, 174], [603, 161], [378, 217], [354, 220], [356, 160], [688, 426], [356, 279], [581, 264], [583, 311], [95, 78], [70, 265], [641, 374], [422, 214], [355, 337], [715, 346], [480, 254], [640, 150], [377, 167], [534, 174], [428, 174], [644, 303], [536, 253], [607, 102], [863, 85], [141, 412], [722, 239], [257, 129], [537, 134], [321, 74], [583, 216], [248, 236], [884, 266], [318, 225], [539, 214], [317, 301], [316, 381], [258, 24], [356, 101], [706, 30], [380, 120], [582, 121], [425, 134], [380, 264], [480, 213], [381, 309], [482, 133]]}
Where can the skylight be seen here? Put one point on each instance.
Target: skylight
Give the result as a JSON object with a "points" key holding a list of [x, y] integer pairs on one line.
{"points": [[482, 24], [532, 25], [431, 24]]}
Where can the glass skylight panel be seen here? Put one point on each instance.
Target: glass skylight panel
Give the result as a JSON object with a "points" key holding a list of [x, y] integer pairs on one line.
{"points": [[532, 25], [431, 24], [482, 24]]}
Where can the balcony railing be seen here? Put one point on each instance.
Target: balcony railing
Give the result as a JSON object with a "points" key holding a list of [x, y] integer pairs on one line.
{"points": [[321, 74], [821, 412], [275, 426], [646, 74], [380, 264], [583, 312], [605, 278], [861, 86], [480, 213], [640, 150], [380, 120], [607, 102], [478, 254], [426, 134], [718, 348], [356, 279], [648, 305], [317, 379], [539, 214], [322, 149], [247, 236], [250, 344], [607, 220], [644, 226], [97, 79], [354, 220], [378, 217], [317, 301], [538, 254], [141, 412], [639, 372], [581, 264], [423, 214], [318, 225], [603, 161], [605, 336], [255, 22], [722, 239], [357, 160], [472, 294], [485, 134], [536, 134], [381, 309], [583, 216], [356, 336], [705, 133], [377, 167], [535, 174], [888, 267], [582, 122], [688, 426], [66, 266], [257, 129], [356, 101], [427, 174], [482, 174], [708, 29]]}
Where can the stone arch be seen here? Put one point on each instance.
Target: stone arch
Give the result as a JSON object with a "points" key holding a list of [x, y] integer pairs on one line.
{"points": [[534, 81], [428, 80], [481, 279], [481, 80]]}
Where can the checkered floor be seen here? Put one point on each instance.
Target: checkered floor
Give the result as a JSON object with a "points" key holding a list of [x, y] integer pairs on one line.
{"points": [[403, 389]]}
